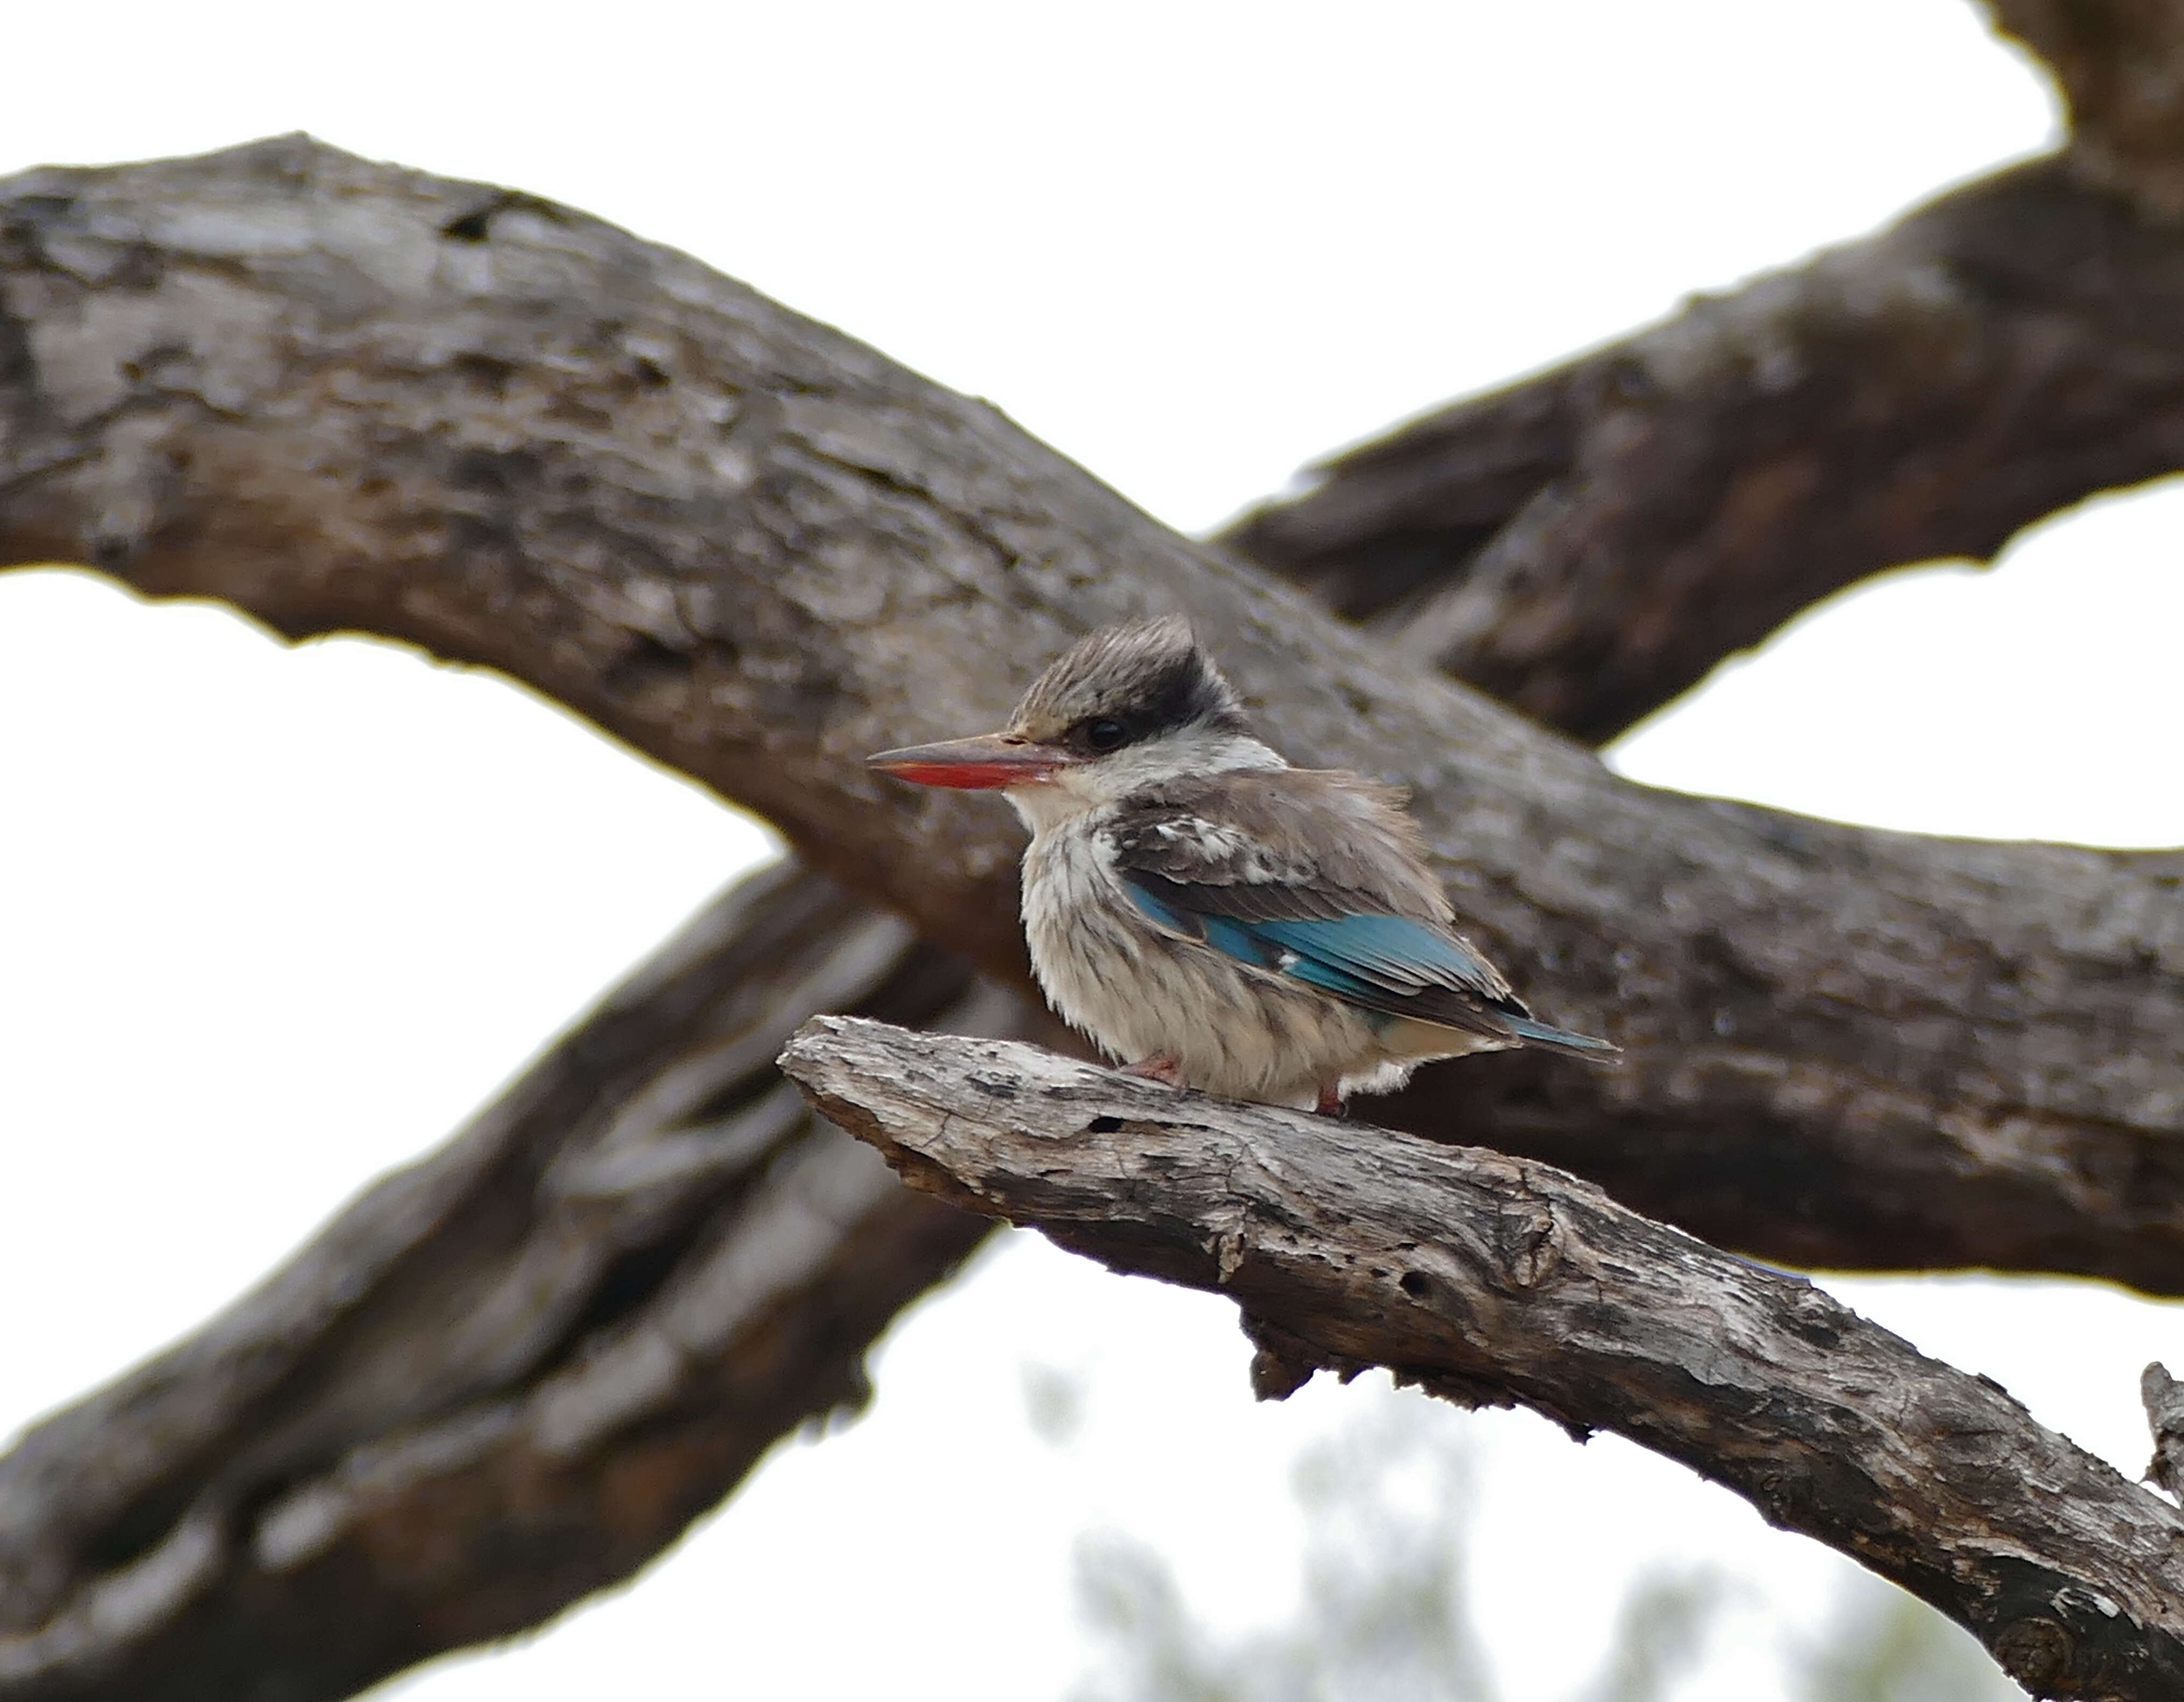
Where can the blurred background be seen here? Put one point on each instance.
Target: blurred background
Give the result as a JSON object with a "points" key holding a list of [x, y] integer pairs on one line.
{"points": [[273, 920]]}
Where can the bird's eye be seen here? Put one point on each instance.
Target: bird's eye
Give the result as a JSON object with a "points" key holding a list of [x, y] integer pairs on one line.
{"points": [[1104, 735]]}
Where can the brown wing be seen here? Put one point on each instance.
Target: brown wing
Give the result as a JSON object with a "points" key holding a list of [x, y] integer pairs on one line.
{"points": [[1328, 895], [1322, 831]]}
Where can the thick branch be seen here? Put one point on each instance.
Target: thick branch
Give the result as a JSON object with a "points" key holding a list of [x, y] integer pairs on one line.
{"points": [[1588, 542], [340, 396], [1491, 1280], [2120, 65], [2163, 1397], [511, 1374]]}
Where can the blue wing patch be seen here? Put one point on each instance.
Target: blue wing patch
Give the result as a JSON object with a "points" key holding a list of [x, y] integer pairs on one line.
{"points": [[1376, 960], [1387, 965], [1389, 951]]}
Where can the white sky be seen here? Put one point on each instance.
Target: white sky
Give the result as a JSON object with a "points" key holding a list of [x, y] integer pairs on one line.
{"points": [[272, 920]]}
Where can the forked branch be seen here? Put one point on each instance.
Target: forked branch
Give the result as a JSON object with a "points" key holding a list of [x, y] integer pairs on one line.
{"points": [[342, 397], [1588, 543]]}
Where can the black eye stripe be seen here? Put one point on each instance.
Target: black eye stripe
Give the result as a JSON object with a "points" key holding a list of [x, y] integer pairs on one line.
{"points": [[1096, 735]]}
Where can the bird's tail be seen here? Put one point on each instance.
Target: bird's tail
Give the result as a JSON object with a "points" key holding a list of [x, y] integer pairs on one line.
{"points": [[1539, 1033]]}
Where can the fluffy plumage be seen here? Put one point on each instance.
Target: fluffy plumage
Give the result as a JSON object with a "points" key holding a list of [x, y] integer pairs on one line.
{"points": [[1218, 918]]}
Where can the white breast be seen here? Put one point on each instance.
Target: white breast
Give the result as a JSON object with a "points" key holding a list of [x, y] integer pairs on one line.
{"points": [[1137, 991]]}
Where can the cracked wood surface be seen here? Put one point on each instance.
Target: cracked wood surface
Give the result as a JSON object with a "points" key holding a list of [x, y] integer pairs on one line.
{"points": [[1490, 1280], [341, 396]]}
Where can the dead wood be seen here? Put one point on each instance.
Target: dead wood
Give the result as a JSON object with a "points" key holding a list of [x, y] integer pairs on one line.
{"points": [[1490, 1279], [344, 397], [1588, 544], [511, 1374]]}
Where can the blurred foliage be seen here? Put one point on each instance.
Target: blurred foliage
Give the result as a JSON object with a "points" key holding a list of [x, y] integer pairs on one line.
{"points": [[1384, 1612], [1885, 1646], [1054, 1403], [1660, 1635]]}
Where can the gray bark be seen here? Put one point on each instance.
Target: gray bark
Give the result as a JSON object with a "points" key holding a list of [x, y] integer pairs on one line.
{"points": [[340, 396], [344, 396], [1490, 1279], [2163, 1397], [509, 1375], [1588, 544]]}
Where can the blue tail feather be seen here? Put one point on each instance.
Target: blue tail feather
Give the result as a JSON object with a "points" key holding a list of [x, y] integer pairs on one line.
{"points": [[1534, 1033]]}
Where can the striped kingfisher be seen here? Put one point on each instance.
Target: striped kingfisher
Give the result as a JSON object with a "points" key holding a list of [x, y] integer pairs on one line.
{"points": [[1210, 916]]}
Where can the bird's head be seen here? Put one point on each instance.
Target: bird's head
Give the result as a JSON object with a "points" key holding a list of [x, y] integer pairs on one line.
{"points": [[1123, 708]]}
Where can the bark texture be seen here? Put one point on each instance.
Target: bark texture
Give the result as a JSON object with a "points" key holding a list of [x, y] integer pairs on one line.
{"points": [[2163, 1397], [511, 1375], [1588, 544], [340, 396], [1490, 1279]]}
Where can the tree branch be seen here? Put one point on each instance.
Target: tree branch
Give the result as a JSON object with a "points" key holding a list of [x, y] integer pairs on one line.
{"points": [[344, 397], [2164, 1399], [1587, 543], [509, 1375], [2119, 65], [162, 1492], [1490, 1280]]}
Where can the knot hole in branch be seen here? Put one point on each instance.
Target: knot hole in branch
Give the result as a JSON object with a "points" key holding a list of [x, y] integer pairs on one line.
{"points": [[1527, 1243], [2037, 1653]]}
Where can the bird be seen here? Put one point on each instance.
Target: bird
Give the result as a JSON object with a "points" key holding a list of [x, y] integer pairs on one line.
{"points": [[1207, 915]]}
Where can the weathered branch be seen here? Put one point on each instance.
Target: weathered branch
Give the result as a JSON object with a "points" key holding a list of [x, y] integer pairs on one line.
{"points": [[1588, 542], [155, 1492], [2119, 65], [2163, 1397], [1491, 1280], [511, 1374], [340, 396]]}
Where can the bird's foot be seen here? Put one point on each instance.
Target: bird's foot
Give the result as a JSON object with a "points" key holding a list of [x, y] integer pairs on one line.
{"points": [[1161, 1066], [1330, 1102]]}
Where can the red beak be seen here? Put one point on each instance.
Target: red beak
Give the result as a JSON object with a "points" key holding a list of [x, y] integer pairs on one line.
{"points": [[991, 760]]}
